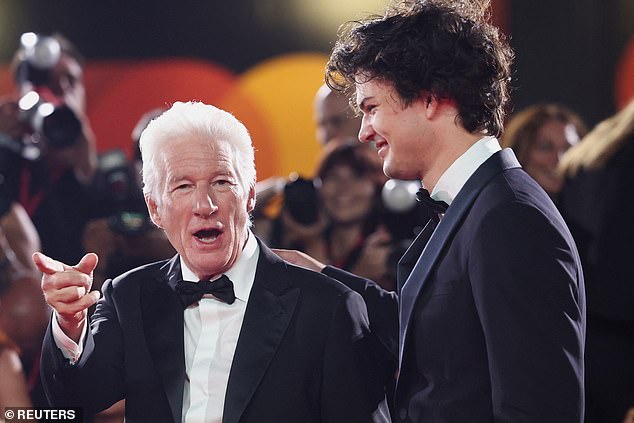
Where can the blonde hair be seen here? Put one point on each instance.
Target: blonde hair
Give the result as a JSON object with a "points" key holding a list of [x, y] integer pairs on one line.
{"points": [[596, 148]]}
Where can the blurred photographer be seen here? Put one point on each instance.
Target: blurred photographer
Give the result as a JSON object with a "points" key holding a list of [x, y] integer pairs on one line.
{"points": [[47, 148], [335, 123], [126, 238]]}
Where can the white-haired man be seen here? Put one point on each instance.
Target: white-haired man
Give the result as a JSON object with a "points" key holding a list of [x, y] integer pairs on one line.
{"points": [[264, 341]]}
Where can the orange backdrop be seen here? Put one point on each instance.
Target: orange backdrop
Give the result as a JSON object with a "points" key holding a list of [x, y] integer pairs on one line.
{"points": [[273, 99]]}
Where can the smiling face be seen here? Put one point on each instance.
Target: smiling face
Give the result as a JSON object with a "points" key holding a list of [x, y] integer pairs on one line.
{"points": [[348, 197], [201, 203], [400, 133]]}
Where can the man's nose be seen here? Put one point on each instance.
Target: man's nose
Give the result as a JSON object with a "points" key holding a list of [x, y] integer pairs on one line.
{"points": [[366, 132], [204, 204]]}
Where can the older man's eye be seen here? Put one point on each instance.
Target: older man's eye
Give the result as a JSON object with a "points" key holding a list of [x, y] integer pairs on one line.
{"points": [[223, 183], [180, 187]]}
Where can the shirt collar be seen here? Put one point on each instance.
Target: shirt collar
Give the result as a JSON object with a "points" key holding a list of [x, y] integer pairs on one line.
{"points": [[242, 273], [456, 175]]}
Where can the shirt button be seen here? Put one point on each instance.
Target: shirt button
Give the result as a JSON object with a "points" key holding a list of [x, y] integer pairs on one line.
{"points": [[402, 413]]}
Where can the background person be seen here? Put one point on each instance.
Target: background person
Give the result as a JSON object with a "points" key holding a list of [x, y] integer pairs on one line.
{"points": [[348, 231], [335, 119], [48, 164], [126, 238], [540, 135], [335, 122], [596, 203], [14, 390], [23, 312]]}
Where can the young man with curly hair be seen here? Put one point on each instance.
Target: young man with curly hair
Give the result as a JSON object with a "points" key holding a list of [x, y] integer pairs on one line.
{"points": [[488, 319]]}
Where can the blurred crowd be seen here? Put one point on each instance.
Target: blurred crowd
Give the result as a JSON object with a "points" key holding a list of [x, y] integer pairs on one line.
{"points": [[59, 196]]}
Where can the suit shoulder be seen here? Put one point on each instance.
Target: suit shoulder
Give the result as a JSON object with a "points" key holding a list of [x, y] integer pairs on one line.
{"points": [[515, 189]]}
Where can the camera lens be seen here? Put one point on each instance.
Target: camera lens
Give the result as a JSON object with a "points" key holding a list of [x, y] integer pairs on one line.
{"points": [[61, 127], [56, 122], [300, 199]]}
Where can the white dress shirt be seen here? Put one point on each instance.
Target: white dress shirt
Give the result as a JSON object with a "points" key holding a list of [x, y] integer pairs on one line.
{"points": [[211, 330], [453, 179], [211, 333]]}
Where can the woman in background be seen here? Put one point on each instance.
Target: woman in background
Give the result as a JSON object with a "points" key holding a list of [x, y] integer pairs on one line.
{"points": [[540, 135], [347, 230]]}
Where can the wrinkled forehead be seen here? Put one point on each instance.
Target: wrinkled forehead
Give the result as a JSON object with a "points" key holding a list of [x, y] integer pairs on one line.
{"points": [[198, 146]]}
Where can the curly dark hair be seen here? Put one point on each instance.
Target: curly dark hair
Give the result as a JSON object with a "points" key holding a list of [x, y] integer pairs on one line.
{"points": [[446, 48]]}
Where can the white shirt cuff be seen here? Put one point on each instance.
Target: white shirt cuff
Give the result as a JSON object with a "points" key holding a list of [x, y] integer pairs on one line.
{"points": [[70, 350]]}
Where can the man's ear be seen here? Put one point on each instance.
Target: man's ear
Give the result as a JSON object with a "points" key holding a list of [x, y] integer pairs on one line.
{"points": [[251, 199], [431, 105], [152, 208]]}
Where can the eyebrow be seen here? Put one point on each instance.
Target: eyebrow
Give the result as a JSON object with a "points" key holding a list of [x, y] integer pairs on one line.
{"points": [[362, 106]]}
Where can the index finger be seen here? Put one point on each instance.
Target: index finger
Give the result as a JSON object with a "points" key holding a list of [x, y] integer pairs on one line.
{"points": [[46, 264]]}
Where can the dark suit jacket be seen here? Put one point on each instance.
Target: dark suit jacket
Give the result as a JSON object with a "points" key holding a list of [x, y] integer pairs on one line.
{"points": [[491, 308], [301, 355]]}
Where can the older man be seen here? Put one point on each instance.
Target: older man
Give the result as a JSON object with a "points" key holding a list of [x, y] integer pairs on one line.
{"points": [[248, 337]]}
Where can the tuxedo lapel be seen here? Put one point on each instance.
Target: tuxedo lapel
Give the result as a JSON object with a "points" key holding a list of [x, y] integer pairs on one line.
{"points": [[162, 314], [268, 314], [410, 291], [408, 260]]}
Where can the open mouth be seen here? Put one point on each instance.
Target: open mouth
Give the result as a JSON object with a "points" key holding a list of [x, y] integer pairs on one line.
{"points": [[207, 235]]}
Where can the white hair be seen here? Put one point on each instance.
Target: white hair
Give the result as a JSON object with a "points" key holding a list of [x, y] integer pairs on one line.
{"points": [[195, 119]]}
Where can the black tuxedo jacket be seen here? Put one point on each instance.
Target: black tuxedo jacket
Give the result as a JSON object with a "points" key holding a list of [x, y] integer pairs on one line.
{"points": [[302, 354], [491, 308]]}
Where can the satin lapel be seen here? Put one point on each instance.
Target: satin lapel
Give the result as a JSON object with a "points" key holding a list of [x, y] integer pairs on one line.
{"points": [[162, 315], [408, 260], [497, 163], [268, 314]]}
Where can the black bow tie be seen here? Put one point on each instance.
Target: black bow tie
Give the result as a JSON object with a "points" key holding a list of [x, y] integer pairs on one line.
{"points": [[191, 292], [425, 199]]}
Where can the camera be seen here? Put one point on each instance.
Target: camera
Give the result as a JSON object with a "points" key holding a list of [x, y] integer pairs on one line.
{"points": [[402, 214], [49, 117], [43, 111], [116, 184], [301, 199]]}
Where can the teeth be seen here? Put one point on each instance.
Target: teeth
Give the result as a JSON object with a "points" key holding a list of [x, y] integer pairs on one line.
{"points": [[207, 236]]}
